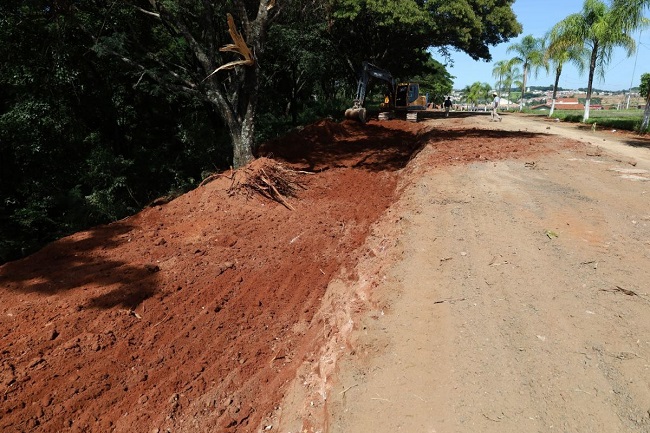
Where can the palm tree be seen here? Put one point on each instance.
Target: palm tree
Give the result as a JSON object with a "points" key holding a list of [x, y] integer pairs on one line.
{"points": [[466, 96], [484, 91], [558, 56], [630, 14], [597, 28], [512, 76], [530, 54], [476, 92], [472, 93], [499, 71]]}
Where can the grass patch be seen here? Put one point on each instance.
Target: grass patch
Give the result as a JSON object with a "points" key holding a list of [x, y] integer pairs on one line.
{"points": [[627, 120]]}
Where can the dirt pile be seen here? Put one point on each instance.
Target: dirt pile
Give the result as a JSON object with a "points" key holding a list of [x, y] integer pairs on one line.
{"points": [[194, 315]]}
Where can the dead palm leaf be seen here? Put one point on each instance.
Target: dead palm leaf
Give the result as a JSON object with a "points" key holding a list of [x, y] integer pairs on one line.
{"points": [[238, 46]]}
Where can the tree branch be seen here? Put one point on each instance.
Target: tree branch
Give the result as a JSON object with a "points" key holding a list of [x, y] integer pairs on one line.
{"points": [[144, 11], [243, 16], [208, 15], [188, 88], [199, 53]]}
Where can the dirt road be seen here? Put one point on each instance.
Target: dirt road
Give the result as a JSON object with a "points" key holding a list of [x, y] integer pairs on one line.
{"points": [[450, 275], [501, 296]]}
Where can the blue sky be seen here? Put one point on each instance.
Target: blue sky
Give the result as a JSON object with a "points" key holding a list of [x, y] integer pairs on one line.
{"points": [[537, 17]]}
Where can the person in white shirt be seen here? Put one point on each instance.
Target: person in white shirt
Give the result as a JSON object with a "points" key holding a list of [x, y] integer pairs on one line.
{"points": [[495, 107]]}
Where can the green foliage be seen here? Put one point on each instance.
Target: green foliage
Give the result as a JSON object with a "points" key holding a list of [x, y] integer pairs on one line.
{"points": [[477, 93], [386, 13], [79, 144], [395, 35], [529, 53], [599, 29], [434, 81], [644, 88], [624, 120]]}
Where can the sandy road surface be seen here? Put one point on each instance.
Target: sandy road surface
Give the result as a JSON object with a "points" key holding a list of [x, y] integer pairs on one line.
{"points": [[517, 298]]}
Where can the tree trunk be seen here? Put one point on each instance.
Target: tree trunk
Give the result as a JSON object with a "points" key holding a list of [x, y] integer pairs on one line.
{"points": [[242, 144], [592, 70], [523, 88], [646, 115], [500, 86], [557, 80]]}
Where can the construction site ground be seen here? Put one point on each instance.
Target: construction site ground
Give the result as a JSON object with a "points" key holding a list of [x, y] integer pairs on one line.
{"points": [[451, 275]]}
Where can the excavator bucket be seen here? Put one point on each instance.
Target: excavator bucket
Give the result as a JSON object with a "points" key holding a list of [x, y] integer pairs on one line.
{"points": [[356, 114]]}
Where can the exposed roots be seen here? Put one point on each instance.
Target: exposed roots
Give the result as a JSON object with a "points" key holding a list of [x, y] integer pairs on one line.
{"points": [[267, 178]]}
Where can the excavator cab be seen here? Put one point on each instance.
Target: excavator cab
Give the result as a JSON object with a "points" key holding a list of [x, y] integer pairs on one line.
{"points": [[407, 97]]}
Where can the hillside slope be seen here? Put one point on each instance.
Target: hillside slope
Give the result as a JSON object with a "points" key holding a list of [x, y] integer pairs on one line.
{"points": [[193, 315]]}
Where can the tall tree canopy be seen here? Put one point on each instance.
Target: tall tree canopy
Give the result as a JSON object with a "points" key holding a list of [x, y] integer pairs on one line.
{"points": [[396, 34]]}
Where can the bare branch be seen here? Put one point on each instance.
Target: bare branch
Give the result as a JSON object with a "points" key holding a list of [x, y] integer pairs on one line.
{"points": [[144, 11]]}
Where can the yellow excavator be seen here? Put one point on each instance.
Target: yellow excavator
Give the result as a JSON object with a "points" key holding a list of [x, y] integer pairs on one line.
{"points": [[399, 97]]}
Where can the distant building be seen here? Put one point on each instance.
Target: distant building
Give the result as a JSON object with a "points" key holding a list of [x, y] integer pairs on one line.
{"points": [[505, 103], [562, 104]]}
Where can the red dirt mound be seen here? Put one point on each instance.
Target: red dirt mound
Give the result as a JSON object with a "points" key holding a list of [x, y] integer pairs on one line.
{"points": [[190, 316], [193, 316], [324, 145]]}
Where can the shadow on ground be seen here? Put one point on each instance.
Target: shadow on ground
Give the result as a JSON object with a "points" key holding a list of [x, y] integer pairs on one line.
{"points": [[77, 261]]}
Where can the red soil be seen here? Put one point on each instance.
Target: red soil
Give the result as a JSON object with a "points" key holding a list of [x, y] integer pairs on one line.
{"points": [[195, 315]]}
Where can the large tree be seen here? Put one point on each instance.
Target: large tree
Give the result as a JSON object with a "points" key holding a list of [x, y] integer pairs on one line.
{"points": [[511, 77], [645, 91], [397, 34], [529, 53], [208, 50], [184, 50], [598, 29]]}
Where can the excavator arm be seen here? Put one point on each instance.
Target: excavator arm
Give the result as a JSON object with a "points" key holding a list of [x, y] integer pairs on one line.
{"points": [[368, 70]]}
